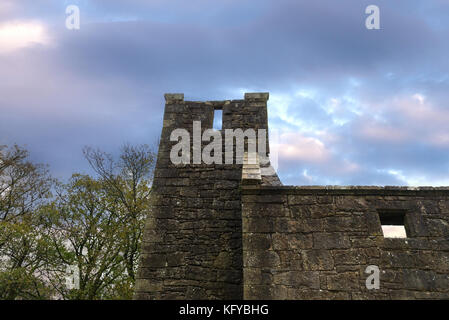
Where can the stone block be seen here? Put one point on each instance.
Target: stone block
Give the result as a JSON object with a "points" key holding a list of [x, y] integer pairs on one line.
{"points": [[317, 259], [330, 240]]}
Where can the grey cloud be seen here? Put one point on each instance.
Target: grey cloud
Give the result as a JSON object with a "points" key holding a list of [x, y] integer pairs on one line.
{"points": [[104, 84]]}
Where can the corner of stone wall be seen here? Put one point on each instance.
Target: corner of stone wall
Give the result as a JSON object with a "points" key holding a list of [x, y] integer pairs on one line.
{"points": [[173, 97], [257, 96]]}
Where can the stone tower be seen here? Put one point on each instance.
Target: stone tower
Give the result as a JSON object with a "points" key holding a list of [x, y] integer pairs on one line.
{"points": [[232, 231], [192, 245]]}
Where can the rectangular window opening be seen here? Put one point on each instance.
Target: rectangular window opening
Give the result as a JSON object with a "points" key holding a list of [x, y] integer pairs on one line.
{"points": [[218, 119], [393, 223]]}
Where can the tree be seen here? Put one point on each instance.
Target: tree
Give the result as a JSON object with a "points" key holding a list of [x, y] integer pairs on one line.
{"points": [[127, 180], [25, 250], [93, 224], [23, 185], [102, 220]]}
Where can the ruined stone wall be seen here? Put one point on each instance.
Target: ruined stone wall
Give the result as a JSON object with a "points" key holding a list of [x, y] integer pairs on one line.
{"points": [[192, 244], [316, 242], [230, 231]]}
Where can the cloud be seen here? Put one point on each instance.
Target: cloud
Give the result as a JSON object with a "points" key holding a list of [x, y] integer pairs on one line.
{"points": [[383, 133], [15, 35], [296, 148], [7, 9], [355, 106]]}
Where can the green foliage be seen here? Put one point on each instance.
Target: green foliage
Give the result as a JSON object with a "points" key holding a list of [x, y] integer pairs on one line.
{"points": [[92, 223]]}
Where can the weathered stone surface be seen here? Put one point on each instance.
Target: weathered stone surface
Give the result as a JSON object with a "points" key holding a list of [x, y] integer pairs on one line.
{"points": [[195, 220], [217, 233], [347, 281], [317, 259], [331, 240], [298, 279]]}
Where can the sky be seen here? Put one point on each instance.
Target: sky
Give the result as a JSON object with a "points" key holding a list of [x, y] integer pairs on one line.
{"points": [[351, 106]]}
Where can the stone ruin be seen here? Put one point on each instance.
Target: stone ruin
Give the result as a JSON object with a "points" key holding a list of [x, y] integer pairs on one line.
{"points": [[233, 231]]}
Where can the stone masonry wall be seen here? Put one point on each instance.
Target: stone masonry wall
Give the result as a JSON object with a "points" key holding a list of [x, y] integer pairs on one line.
{"points": [[231, 231], [192, 245], [316, 242]]}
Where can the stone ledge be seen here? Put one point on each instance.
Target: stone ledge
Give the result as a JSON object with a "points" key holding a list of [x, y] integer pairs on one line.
{"points": [[264, 96], [347, 190], [214, 102], [174, 97]]}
